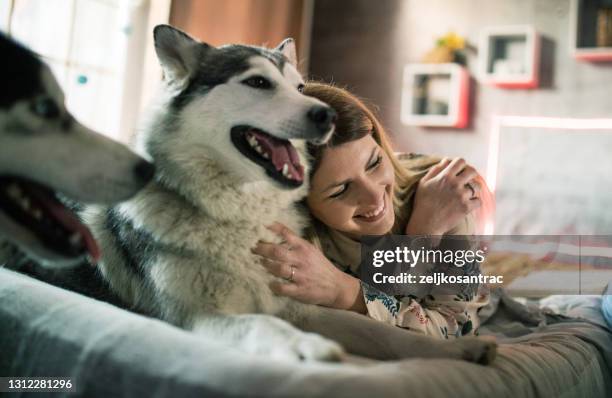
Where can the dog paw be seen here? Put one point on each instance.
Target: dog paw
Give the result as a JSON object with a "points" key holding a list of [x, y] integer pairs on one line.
{"points": [[278, 339], [310, 347], [481, 350]]}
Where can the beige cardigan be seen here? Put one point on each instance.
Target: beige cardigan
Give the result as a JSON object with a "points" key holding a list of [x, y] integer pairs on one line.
{"points": [[438, 316]]}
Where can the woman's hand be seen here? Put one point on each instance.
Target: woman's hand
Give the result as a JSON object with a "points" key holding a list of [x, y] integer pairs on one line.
{"points": [[309, 276], [445, 195]]}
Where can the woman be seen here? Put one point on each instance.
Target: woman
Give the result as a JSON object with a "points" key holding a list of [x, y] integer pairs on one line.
{"points": [[359, 187]]}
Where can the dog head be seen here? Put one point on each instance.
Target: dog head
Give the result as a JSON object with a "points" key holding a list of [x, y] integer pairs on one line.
{"points": [[242, 105], [44, 150]]}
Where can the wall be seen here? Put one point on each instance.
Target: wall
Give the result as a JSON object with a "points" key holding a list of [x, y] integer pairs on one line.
{"points": [[364, 44], [257, 22]]}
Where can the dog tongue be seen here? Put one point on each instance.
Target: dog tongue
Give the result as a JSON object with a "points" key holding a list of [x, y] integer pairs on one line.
{"points": [[73, 224], [66, 219], [281, 152]]}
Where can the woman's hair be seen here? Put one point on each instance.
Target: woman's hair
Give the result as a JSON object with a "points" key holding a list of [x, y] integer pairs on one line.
{"points": [[354, 121]]}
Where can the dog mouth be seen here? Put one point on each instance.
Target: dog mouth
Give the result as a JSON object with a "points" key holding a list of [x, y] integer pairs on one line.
{"points": [[277, 156], [55, 226]]}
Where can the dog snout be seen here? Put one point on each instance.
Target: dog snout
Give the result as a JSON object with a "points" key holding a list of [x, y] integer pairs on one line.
{"points": [[144, 171], [323, 117]]}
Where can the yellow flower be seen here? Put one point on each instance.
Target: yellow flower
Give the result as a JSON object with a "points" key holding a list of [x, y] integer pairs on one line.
{"points": [[452, 41]]}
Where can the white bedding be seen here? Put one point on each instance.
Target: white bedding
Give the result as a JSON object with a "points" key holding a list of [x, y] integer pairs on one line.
{"points": [[47, 331]]}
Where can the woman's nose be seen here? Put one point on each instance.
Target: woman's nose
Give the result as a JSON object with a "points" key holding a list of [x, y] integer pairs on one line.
{"points": [[370, 194]]}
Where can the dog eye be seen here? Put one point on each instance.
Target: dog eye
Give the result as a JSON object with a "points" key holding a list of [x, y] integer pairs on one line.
{"points": [[258, 82], [301, 88], [46, 108]]}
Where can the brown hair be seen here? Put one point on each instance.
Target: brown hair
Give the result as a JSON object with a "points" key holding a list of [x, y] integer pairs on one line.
{"points": [[355, 120]]}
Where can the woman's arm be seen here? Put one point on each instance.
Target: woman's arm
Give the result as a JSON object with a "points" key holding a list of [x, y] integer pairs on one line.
{"points": [[309, 276], [351, 296], [317, 281]]}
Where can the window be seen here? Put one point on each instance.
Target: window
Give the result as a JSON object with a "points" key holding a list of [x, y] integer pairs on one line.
{"points": [[96, 49]]}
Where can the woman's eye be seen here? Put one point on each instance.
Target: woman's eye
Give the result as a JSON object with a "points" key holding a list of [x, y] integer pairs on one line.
{"points": [[340, 192], [375, 163], [45, 108], [259, 82], [301, 88]]}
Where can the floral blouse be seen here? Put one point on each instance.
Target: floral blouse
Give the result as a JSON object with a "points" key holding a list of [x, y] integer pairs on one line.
{"points": [[442, 316]]}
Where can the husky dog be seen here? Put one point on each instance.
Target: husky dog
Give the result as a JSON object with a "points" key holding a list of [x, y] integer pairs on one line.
{"points": [[44, 150], [228, 140]]}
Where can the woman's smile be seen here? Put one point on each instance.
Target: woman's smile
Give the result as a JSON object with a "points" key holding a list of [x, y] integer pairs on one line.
{"points": [[374, 215]]}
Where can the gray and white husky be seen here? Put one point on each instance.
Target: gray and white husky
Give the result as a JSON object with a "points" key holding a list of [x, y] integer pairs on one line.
{"points": [[228, 141], [44, 150]]}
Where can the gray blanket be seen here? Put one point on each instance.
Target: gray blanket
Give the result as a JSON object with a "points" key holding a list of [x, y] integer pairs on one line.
{"points": [[107, 351]]}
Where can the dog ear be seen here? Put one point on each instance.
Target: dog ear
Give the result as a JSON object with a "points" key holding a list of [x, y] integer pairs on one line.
{"points": [[287, 47], [178, 53]]}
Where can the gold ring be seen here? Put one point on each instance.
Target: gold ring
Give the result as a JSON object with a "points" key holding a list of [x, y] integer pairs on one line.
{"points": [[290, 279]]}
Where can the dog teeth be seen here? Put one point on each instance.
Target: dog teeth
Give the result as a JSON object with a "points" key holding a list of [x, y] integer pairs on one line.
{"points": [[251, 140], [25, 203], [285, 171], [36, 213], [14, 191], [75, 239], [255, 145]]}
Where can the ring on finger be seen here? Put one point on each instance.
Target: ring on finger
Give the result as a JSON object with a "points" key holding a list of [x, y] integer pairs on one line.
{"points": [[290, 279]]}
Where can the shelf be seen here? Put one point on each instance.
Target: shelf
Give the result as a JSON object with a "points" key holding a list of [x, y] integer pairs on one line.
{"points": [[509, 56], [435, 95], [591, 30]]}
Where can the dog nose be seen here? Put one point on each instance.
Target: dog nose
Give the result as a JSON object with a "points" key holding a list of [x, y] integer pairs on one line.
{"points": [[144, 170], [323, 117]]}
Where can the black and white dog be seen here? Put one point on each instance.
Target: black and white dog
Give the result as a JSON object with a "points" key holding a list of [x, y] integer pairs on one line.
{"points": [[228, 138], [44, 151]]}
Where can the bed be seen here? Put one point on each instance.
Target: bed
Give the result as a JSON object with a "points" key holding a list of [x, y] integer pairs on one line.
{"points": [[108, 351], [46, 330]]}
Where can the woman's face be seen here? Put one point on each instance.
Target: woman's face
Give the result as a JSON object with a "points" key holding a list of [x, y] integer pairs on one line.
{"points": [[352, 189]]}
